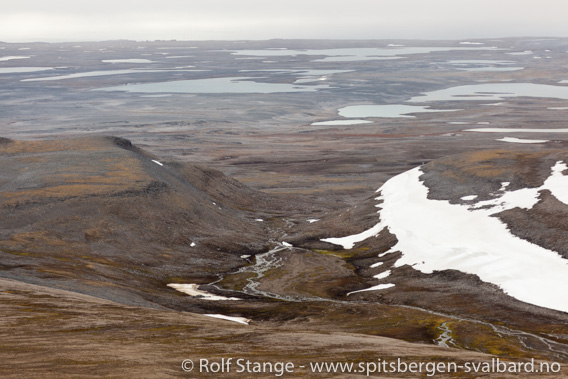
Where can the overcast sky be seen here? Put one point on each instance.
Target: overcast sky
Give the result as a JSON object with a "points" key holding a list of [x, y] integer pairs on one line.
{"points": [[79, 20]]}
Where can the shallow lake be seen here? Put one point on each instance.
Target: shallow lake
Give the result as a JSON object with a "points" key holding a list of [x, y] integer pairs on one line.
{"points": [[484, 65], [354, 54], [214, 85], [341, 122], [12, 57], [388, 110], [303, 76], [493, 91], [100, 73], [16, 70], [127, 60]]}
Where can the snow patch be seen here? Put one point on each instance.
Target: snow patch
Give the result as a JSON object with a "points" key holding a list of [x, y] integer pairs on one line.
{"points": [[193, 290], [350, 241], [557, 182], [521, 140], [469, 197], [374, 288], [240, 320], [517, 130], [383, 274], [156, 162]]}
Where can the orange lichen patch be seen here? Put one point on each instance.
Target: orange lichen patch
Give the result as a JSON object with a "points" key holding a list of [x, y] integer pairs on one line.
{"points": [[56, 272], [491, 164], [99, 283], [71, 174], [93, 234], [486, 171], [491, 156], [483, 156], [70, 190], [19, 147], [127, 170], [98, 260], [37, 238], [41, 244], [464, 172], [452, 175], [119, 173]]}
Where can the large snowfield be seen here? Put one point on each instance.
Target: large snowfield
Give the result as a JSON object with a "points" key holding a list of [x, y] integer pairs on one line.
{"points": [[436, 235]]}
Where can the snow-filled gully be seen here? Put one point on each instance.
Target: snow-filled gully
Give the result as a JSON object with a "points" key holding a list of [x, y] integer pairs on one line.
{"points": [[437, 235]]}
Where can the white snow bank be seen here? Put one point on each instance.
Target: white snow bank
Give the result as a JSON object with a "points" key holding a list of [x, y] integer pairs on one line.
{"points": [[349, 241], [341, 122], [517, 130], [192, 290], [557, 182], [374, 288], [382, 275], [469, 197], [436, 235], [521, 140], [240, 320]]}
